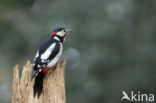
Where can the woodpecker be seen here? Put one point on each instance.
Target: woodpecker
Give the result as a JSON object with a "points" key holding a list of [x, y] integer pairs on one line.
{"points": [[47, 57]]}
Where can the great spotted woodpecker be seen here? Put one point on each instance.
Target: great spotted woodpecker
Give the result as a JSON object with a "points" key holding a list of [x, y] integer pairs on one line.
{"points": [[47, 57]]}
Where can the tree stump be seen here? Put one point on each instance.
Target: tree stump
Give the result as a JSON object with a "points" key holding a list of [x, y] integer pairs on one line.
{"points": [[53, 87]]}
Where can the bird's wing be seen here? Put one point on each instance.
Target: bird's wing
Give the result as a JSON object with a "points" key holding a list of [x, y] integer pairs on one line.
{"points": [[37, 54], [46, 53]]}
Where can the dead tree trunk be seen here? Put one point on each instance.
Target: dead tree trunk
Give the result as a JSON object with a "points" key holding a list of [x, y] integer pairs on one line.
{"points": [[53, 87]]}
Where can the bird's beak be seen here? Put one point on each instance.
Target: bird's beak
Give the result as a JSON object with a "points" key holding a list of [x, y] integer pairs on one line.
{"points": [[68, 30]]}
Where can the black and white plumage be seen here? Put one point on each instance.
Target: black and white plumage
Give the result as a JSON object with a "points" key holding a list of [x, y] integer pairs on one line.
{"points": [[47, 56]]}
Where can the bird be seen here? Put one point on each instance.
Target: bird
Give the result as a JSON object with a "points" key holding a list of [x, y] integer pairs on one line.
{"points": [[47, 57]]}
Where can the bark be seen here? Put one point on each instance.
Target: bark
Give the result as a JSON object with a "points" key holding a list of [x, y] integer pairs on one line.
{"points": [[53, 87]]}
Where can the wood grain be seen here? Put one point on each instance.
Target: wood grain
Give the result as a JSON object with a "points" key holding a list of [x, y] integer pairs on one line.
{"points": [[53, 87]]}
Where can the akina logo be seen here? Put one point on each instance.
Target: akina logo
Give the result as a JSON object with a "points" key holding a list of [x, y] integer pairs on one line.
{"points": [[137, 96]]}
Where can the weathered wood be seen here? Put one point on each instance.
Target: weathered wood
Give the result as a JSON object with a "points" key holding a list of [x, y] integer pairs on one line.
{"points": [[53, 91]]}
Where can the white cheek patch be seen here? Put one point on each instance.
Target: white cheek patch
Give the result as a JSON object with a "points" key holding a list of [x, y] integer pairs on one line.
{"points": [[61, 33]]}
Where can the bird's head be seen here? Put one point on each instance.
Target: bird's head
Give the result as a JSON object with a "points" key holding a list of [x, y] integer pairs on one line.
{"points": [[61, 32]]}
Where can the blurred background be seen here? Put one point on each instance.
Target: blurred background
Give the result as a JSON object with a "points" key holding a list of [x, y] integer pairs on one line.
{"points": [[112, 47]]}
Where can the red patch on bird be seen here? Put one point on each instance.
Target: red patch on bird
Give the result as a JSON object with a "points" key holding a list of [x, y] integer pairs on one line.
{"points": [[53, 33], [45, 71]]}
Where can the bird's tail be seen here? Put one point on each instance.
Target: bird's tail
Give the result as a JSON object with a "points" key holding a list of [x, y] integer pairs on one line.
{"points": [[38, 86]]}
